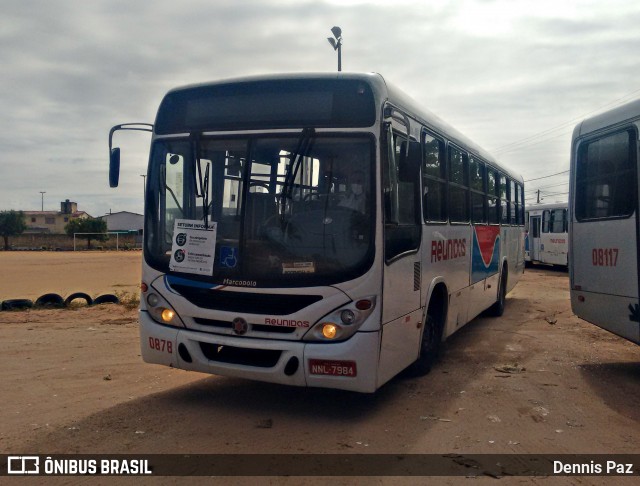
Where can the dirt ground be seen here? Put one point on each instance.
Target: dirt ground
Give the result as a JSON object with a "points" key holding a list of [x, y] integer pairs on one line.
{"points": [[537, 380]]}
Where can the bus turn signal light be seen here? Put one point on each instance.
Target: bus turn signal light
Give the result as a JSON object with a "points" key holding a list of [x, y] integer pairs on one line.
{"points": [[167, 315]]}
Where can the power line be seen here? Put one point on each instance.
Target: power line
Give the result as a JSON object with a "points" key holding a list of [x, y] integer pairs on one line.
{"points": [[547, 176], [562, 125]]}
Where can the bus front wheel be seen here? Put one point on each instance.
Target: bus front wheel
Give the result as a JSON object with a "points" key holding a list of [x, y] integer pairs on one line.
{"points": [[497, 309], [429, 348]]}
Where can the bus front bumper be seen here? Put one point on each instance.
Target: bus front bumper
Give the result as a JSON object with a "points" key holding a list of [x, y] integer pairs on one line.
{"points": [[348, 365]]}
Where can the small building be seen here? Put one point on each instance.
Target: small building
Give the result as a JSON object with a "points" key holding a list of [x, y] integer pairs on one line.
{"points": [[124, 221], [53, 222]]}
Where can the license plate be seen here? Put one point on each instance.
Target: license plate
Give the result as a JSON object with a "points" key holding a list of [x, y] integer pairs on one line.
{"points": [[333, 368]]}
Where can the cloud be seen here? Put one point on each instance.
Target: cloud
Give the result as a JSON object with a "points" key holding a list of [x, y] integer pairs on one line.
{"points": [[499, 71]]}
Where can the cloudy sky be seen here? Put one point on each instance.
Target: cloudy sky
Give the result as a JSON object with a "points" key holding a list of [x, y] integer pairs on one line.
{"points": [[514, 75]]}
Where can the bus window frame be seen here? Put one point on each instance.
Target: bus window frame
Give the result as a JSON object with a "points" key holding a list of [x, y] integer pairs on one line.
{"points": [[442, 180], [581, 147], [464, 186]]}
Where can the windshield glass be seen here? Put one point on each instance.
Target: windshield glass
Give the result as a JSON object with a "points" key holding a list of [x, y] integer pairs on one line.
{"points": [[274, 211]]}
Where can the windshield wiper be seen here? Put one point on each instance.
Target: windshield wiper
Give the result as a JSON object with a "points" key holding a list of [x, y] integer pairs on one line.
{"points": [[305, 141], [201, 184]]}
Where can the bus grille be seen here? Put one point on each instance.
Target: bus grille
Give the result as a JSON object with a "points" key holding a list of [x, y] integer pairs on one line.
{"points": [[261, 358], [254, 327], [245, 302]]}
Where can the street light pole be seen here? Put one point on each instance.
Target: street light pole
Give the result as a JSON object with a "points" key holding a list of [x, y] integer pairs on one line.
{"points": [[336, 43], [42, 193], [144, 186]]}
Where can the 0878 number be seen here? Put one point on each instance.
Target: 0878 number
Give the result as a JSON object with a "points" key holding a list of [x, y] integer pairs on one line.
{"points": [[161, 345]]}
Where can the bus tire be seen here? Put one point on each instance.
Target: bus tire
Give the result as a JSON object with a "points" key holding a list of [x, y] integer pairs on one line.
{"points": [[497, 309], [16, 304], [106, 299], [50, 300], [429, 349], [78, 295]]}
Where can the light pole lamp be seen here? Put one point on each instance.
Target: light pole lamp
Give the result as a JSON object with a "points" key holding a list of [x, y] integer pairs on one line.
{"points": [[336, 43]]}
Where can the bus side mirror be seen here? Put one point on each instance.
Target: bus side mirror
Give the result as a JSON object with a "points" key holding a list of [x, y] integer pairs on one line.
{"points": [[114, 167], [410, 161]]}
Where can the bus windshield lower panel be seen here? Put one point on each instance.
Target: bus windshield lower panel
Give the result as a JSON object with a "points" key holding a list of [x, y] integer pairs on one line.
{"points": [[288, 211]]}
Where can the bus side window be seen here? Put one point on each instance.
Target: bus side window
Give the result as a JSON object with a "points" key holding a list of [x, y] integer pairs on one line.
{"points": [[504, 201], [493, 205], [605, 177], [477, 183], [434, 180], [458, 186], [546, 216], [513, 203], [558, 217], [519, 206]]}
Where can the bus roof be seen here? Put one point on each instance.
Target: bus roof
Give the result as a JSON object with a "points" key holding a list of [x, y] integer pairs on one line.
{"points": [[558, 205], [617, 116], [384, 91]]}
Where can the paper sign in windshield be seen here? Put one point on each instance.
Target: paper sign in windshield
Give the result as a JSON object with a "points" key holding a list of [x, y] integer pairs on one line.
{"points": [[194, 247]]}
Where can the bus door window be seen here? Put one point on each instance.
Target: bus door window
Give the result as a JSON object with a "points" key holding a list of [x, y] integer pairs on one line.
{"points": [[401, 196], [434, 180], [535, 226]]}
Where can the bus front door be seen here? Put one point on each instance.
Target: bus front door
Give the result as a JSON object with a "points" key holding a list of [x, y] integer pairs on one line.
{"points": [[534, 237]]}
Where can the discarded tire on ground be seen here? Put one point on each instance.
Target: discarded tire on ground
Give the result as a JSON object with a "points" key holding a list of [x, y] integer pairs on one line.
{"points": [[78, 295], [50, 300], [106, 299], [16, 304]]}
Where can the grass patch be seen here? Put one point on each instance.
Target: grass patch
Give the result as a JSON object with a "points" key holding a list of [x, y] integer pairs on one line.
{"points": [[130, 300]]}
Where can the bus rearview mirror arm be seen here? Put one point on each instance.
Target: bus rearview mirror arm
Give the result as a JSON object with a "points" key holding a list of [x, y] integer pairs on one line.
{"points": [[114, 152]]}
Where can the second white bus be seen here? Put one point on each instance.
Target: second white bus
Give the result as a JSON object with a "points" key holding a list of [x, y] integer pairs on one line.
{"points": [[547, 234], [317, 230], [604, 229]]}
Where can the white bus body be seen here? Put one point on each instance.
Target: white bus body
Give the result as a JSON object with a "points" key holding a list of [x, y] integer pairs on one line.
{"points": [[346, 232], [603, 232], [547, 234]]}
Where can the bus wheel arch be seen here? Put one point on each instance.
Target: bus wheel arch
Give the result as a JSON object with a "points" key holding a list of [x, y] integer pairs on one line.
{"points": [[432, 331]]}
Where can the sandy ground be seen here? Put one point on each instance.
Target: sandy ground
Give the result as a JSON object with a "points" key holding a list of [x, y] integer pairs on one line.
{"points": [[537, 380], [29, 274]]}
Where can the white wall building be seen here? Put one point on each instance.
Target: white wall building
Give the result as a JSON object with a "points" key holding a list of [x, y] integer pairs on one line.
{"points": [[124, 221]]}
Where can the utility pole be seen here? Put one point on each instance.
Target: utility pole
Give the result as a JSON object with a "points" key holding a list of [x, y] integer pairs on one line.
{"points": [[538, 196], [42, 193]]}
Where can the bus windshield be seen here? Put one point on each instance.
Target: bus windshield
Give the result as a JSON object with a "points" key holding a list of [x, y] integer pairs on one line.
{"points": [[297, 210]]}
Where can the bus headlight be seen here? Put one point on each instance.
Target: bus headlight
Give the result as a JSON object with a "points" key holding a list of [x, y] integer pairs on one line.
{"points": [[342, 323], [329, 330], [160, 310]]}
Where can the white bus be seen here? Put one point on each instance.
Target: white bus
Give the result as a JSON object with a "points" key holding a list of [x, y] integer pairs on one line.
{"points": [[547, 234], [603, 232], [317, 230]]}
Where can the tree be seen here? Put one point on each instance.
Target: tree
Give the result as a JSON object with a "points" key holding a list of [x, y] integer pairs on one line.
{"points": [[12, 223], [94, 229]]}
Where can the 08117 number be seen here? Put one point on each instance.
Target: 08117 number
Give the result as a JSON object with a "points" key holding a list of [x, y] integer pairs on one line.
{"points": [[604, 257]]}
